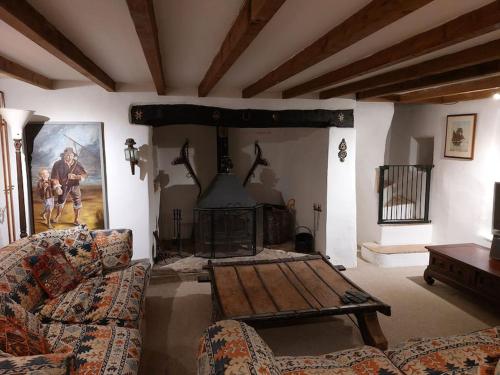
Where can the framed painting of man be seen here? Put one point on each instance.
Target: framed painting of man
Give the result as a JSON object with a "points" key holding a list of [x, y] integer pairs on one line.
{"points": [[67, 175]]}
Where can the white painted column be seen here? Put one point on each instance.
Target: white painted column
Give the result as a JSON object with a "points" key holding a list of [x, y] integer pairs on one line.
{"points": [[341, 199]]}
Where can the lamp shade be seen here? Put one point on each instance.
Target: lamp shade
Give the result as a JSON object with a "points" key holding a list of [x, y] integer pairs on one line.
{"points": [[16, 120]]}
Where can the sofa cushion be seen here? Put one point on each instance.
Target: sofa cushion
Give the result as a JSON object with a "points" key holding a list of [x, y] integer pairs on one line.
{"points": [[442, 355], [365, 360], [78, 246], [102, 350], [114, 247], [52, 270], [15, 278], [231, 347], [20, 331], [42, 364], [116, 298]]}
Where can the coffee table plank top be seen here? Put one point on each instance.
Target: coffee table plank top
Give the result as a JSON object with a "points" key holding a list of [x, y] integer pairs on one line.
{"points": [[260, 300], [286, 297], [284, 288], [322, 292], [334, 280], [313, 302], [232, 296]]}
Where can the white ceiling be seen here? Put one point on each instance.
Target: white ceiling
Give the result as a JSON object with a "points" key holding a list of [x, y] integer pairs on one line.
{"points": [[191, 31]]}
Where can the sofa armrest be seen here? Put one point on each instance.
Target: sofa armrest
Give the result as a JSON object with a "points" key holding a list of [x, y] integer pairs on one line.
{"points": [[52, 363], [114, 246], [231, 347]]}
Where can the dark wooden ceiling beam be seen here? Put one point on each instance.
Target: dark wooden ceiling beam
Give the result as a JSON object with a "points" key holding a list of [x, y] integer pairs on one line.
{"points": [[453, 89], [14, 70], [143, 15], [490, 68], [373, 17], [475, 55], [467, 26], [253, 16], [476, 95], [21, 16]]}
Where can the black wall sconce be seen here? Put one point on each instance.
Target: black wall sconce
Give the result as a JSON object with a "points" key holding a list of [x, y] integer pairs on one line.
{"points": [[131, 154]]}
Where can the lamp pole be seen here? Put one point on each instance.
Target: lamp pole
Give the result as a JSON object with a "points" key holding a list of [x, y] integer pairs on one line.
{"points": [[18, 144]]}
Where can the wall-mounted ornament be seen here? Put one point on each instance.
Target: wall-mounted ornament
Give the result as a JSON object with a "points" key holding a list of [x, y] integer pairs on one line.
{"points": [[342, 150]]}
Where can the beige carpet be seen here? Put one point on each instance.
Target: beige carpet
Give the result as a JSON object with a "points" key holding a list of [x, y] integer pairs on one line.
{"points": [[178, 311]]}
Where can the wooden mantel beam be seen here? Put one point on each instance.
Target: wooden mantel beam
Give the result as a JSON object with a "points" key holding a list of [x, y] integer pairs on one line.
{"points": [[21, 16], [371, 18], [490, 68], [453, 89], [467, 26], [14, 70], [253, 16], [143, 15], [474, 55]]}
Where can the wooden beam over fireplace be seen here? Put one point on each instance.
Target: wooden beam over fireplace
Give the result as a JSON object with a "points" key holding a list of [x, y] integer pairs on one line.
{"points": [[467, 26], [252, 18], [21, 16], [371, 18]]}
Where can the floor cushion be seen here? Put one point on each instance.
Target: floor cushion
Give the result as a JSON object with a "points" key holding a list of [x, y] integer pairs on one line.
{"points": [[461, 354], [20, 331], [115, 298], [366, 360], [102, 350]]}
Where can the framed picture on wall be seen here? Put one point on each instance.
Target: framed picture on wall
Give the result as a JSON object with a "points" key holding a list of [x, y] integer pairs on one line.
{"points": [[66, 171], [460, 136]]}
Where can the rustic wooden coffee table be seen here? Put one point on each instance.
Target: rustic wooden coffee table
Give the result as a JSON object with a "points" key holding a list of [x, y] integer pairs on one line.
{"points": [[282, 289]]}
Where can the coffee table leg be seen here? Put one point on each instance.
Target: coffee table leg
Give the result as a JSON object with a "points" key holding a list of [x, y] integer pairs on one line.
{"points": [[371, 331]]}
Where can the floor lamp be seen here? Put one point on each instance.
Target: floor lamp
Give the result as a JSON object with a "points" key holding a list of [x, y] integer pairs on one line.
{"points": [[16, 120]]}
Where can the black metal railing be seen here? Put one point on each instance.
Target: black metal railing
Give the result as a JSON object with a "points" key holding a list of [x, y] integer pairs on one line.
{"points": [[404, 194]]}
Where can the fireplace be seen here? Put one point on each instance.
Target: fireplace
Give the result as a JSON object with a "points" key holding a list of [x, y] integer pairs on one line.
{"points": [[227, 221]]}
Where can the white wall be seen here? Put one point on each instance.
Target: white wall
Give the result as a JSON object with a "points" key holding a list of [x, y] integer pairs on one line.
{"points": [[341, 199], [298, 158], [461, 190], [133, 201], [127, 194], [372, 122]]}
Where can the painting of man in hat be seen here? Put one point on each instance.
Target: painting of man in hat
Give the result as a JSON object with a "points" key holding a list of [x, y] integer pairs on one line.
{"points": [[72, 154], [68, 172]]}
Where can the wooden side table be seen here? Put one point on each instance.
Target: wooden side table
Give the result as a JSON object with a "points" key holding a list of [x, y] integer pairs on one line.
{"points": [[466, 266]]}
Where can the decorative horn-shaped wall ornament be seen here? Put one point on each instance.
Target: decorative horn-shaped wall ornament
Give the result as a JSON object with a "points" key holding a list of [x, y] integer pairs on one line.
{"points": [[259, 160], [183, 158], [342, 150]]}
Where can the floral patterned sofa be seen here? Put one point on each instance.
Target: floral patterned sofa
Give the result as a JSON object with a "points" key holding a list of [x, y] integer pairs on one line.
{"points": [[233, 348], [92, 328]]}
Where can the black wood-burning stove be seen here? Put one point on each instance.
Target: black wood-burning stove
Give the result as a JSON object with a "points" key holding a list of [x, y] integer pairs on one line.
{"points": [[227, 221]]}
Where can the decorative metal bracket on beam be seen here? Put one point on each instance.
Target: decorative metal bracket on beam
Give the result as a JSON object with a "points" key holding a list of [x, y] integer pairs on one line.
{"points": [[178, 114]]}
